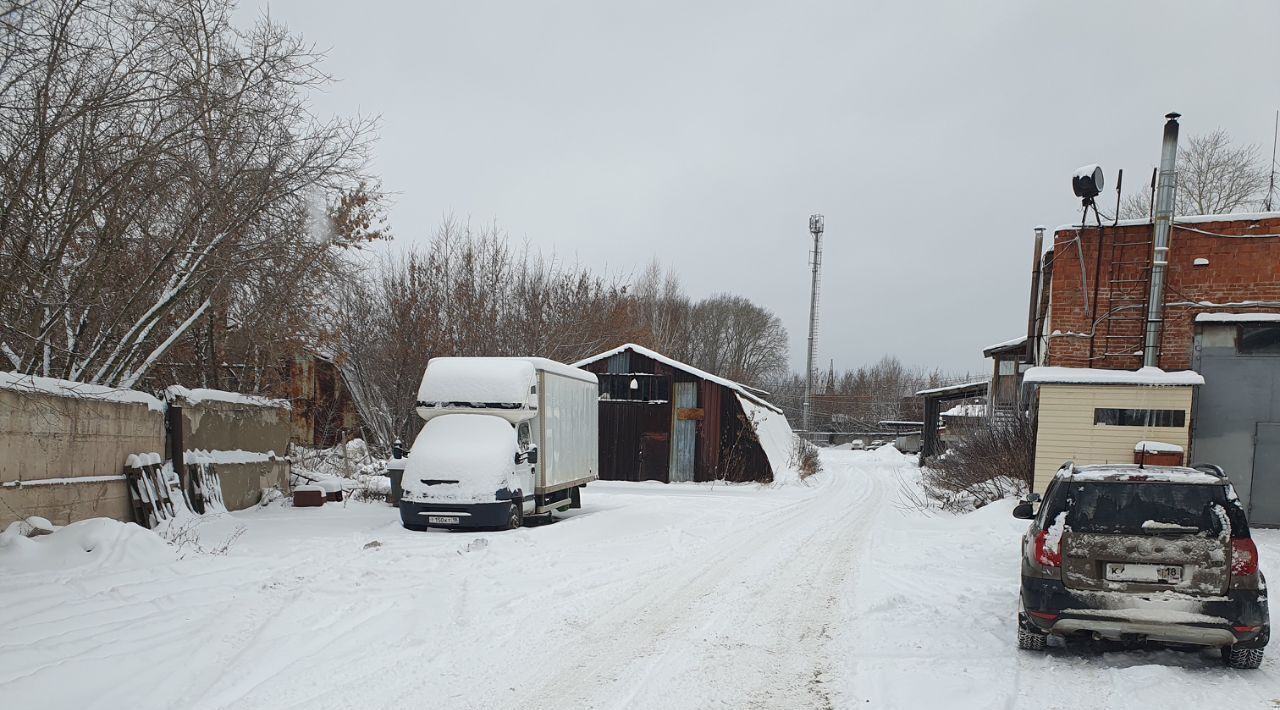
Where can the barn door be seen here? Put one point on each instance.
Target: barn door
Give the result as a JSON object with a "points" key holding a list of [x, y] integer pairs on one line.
{"points": [[654, 450], [1264, 502], [684, 432]]}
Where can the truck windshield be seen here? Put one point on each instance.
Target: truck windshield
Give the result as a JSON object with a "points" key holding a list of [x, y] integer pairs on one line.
{"points": [[1147, 508]]}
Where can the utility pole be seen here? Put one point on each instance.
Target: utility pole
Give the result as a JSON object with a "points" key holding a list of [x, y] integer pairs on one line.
{"points": [[815, 260]]}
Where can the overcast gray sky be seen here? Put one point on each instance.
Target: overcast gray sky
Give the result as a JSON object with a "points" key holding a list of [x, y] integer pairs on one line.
{"points": [[933, 136]]}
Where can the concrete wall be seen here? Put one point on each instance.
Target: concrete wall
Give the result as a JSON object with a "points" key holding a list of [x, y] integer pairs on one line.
{"points": [[236, 425], [1066, 432], [46, 436]]}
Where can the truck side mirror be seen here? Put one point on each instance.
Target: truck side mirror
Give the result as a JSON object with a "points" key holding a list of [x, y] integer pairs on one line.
{"points": [[532, 456], [1022, 511]]}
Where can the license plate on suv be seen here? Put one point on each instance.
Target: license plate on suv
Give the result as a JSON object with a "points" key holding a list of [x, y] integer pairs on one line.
{"points": [[443, 519], [1153, 574]]}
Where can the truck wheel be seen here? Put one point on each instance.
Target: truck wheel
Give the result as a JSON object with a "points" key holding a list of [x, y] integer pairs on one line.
{"points": [[1030, 640], [575, 497], [1243, 658], [516, 518]]}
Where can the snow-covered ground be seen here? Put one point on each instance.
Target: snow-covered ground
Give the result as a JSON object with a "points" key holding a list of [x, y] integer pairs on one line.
{"points": [[832, 594]]}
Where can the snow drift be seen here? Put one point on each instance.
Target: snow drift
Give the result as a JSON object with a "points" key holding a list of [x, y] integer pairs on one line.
{"points": [[95, 543]]}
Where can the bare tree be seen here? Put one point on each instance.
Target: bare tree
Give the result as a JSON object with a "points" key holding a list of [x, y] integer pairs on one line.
{"points": [[158, 168], [1215, 176]]}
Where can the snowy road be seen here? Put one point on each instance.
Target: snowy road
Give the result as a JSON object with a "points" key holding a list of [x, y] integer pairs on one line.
{"points": [[651, 596]]}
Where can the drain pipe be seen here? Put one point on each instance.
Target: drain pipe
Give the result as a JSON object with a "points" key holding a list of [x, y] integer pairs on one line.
{"points": [[1165, 187]]}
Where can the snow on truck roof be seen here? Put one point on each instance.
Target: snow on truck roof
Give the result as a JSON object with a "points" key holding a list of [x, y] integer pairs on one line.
{"points": [[1119, 473], [503, 380], [1089, 376], [741, 389]]}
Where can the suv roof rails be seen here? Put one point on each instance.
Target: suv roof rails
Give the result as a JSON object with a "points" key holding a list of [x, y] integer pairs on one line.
{"points": [[1212, 469]]}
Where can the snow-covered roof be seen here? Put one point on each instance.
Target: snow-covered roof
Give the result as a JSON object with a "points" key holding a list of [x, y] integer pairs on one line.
{"points": [[1134, 472], [690, 369], [1157, 447], [966, 410], [200, 394], [1091, 376], [1183, 219], [954, 388], [66, 388], [1008, 343], [1238, 318], [559, 368]]}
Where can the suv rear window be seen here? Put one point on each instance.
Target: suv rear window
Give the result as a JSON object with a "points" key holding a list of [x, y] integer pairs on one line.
{"points": [[1151, 508]]}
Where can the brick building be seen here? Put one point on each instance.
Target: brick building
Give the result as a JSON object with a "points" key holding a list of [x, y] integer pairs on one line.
{"points": [[1221, 321], [1100, 278]]}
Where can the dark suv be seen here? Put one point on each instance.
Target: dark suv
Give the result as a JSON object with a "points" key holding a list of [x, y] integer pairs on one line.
{"points": [[1143, 555]]}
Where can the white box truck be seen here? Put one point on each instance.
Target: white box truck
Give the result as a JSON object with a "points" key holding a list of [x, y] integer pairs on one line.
{"points": [[504, 438]]}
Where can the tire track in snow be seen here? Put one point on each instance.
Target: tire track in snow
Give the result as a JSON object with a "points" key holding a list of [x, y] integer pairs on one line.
{"points": [[766, 595]]}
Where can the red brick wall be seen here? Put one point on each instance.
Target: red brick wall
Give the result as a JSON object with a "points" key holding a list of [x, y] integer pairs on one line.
{"points": [[1112, 326]]}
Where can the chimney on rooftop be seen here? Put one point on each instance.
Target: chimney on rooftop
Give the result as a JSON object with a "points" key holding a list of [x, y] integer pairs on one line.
{"points": [[1165, 187]]}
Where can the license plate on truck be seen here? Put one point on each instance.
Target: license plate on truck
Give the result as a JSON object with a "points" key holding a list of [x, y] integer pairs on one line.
{"points": [[442, 519], [1155, 574]]}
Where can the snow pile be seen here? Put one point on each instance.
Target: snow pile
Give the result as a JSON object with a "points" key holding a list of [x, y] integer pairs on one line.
{"points": [[776, 438], [65, 388], [890, 454], [355, 464], [96, 543], [476, 450], [480, 380], [198, 395], [966, 410]]}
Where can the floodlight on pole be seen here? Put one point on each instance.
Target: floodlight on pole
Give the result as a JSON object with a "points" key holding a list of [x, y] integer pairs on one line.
{"points": [[815, 261]]}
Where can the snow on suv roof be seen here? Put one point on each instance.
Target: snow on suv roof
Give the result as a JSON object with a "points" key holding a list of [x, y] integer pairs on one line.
{"points": [[1133, 472]]}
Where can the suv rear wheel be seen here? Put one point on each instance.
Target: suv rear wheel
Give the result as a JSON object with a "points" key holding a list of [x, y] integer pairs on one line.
{"points": [[1244, 658], [1030, 640]]}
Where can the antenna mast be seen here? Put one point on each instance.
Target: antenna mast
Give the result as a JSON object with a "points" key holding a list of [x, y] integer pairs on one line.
{"points": [[1271, 185], [815, 261]]}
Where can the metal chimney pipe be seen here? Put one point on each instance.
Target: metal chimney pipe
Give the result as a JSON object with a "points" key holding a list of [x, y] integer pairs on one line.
{"points": [[1035, 296], [1165, 188]]}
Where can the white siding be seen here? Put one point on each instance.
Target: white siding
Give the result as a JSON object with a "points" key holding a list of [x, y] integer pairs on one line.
{"points": [[1066, 431]]}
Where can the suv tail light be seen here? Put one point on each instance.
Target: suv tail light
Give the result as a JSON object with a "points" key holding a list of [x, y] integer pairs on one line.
{"points": [[1052, 557], [1244, 558]]}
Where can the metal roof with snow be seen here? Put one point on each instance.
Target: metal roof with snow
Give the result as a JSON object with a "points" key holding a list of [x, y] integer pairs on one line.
{"points": [[956, 389], [749, 392], [1148, 376], [1018, 343]]}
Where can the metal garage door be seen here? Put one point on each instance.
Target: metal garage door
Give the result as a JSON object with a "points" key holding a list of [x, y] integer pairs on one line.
{"points": [[683, 445], [1264, 508]]}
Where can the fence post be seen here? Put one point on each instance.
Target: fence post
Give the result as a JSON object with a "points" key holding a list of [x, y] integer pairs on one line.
{"points": [[173, 430]]}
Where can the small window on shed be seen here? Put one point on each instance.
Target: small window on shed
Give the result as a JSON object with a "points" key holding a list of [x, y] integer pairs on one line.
{"points": [[1259, 340], [1176, 418]]}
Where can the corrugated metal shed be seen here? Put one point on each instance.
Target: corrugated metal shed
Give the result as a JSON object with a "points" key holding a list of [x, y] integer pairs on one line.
{"points": [[663, 420]]}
